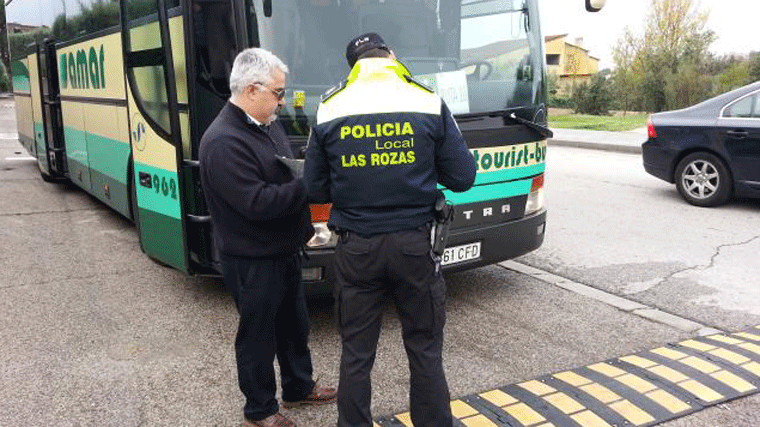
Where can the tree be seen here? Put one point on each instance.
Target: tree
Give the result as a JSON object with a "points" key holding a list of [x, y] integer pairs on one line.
{"points": [[675, 40], [594, 98], [625, 75], [737, 75], [688, 86], [676, 30], [754, 66], [572, 67], [22, 44]]}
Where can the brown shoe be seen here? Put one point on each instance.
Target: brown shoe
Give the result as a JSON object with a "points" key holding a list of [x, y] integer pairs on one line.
{"points": [[276, 420], [318, 396]]}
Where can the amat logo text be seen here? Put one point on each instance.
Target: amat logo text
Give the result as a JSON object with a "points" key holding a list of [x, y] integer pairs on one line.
{"points": [[83, 69]]}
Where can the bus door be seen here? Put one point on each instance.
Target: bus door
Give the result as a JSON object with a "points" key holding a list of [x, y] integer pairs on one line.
{"points": [[38, 133], [212, 42], [148, 31], [52, 119]]}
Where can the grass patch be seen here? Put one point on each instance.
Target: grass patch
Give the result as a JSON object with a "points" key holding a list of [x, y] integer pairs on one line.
{"points": [[611, 123]]}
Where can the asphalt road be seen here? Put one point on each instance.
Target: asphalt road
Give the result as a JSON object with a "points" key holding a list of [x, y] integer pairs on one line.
{"points": [[617, 228], [96, 334]]}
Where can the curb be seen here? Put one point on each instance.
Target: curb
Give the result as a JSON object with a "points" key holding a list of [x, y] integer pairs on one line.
{"points": [[630, 149]]}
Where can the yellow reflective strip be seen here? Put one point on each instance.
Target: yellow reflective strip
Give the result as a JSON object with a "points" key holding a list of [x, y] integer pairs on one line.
{"points": [[498, 398], [697, 345], [733, 381], [748, 336], [700, 365], [524, 414], [405, 418], [572, 378], [564, 403], [606, 369], [636, 383], [601, 393], [537, 387], [478, 421], [701, 391], [374, 424], [460, 409], [668, 401], [753, 367], [669, 353], [668, 373], [391, 96], [638, 361], [589, 419], [730, 356], [725, 339], [631, 412], [751, 347]]}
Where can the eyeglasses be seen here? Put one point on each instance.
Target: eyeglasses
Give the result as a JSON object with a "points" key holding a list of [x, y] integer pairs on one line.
{"points": [[279, 93]]}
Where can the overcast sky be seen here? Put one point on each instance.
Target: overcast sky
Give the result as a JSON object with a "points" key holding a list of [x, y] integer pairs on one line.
{"points": [[735, 23]]}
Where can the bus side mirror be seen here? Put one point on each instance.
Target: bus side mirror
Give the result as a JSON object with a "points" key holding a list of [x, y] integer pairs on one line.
{"points": [[268, 8], [595, 5]]}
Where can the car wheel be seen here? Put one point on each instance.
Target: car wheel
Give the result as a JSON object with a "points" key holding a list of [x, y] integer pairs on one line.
{"points": [[703, 180]]}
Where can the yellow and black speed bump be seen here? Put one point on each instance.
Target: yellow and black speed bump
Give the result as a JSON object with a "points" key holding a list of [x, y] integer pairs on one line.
{"points": [[641, 389]]}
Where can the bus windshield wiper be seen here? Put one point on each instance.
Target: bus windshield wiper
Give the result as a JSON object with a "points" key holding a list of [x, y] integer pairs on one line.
{"points": [[541, 129]]}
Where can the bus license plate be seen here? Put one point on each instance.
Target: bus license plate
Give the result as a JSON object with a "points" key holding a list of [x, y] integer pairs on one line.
{"points": [[460, 253]]}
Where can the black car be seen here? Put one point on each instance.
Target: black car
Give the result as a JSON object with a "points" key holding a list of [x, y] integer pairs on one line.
{"points": [[711, 151]]}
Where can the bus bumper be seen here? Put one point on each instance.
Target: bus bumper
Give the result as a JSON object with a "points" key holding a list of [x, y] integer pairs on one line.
{"points": [[498, 242]]}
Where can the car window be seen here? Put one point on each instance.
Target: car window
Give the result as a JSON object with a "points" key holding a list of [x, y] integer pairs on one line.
{"points": [[756, 110], [740, 108]]}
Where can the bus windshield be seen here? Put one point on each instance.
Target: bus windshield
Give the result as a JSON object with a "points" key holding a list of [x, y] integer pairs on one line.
{"points": [[479, 55]]}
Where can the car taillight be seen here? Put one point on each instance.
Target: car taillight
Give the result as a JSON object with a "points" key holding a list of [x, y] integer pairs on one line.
{"points": [[650, 129]]}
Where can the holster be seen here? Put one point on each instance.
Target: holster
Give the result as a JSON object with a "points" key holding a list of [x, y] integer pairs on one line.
{"points": [[439, 233]]}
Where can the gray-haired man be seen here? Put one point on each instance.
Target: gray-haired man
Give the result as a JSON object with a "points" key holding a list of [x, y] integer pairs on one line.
{"points": [[261, 221]]}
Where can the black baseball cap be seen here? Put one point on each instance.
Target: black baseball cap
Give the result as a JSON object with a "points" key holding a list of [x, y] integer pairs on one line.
{"points": [[363, 43]]}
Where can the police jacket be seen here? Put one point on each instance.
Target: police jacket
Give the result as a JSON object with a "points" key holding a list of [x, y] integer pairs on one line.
{"points": [[257, 208], [380, 146]]}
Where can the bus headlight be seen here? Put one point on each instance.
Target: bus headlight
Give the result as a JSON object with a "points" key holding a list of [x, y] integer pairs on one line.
{"points": [[535, 200], [323, 237]]}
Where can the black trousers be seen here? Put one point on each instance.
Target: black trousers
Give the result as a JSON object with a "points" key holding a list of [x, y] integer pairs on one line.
{"points": [[274, 320], [369, 270]]}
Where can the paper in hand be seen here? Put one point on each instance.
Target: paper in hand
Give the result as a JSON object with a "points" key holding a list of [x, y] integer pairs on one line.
{"points": [[295, 165]]}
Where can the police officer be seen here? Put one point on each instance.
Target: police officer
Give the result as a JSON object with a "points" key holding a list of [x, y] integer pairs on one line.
{"points": [[380, 145]]}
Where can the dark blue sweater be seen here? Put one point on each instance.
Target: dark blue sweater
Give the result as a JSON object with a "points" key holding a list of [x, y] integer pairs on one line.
{"points": [[257, 208]]}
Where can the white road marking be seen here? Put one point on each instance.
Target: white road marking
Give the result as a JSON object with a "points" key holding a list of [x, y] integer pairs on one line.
{"points": [[19, 159]]}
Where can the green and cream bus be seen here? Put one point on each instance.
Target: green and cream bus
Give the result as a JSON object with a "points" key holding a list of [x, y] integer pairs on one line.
{"points": [[115, 95]]}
